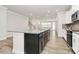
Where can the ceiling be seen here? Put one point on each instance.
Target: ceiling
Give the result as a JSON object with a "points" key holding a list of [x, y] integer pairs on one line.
{"points": [[38, 11]]}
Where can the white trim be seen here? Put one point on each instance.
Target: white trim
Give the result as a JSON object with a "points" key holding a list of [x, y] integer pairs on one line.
{"points": [[9, 36], [18, 43], [17, 51], [3, 7], [3, 38]]}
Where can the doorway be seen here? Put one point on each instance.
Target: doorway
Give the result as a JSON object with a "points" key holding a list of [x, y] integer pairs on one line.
{"points": [[52, 26]]}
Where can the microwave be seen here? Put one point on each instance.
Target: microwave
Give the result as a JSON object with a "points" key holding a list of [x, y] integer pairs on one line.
{"points": [[75, 16]]}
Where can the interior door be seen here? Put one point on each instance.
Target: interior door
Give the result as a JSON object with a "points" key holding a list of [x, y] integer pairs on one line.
{"points": [[52, 26]]}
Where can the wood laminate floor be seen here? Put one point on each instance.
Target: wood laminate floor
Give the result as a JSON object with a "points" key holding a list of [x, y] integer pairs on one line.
{"points": [[6, 46], [54, 46]]}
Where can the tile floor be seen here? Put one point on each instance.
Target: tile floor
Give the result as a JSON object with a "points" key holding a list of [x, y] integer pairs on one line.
{"points": [[54, 46]]}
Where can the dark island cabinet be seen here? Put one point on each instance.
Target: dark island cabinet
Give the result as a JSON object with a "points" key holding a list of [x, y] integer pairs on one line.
{"points": [[35, 43]]}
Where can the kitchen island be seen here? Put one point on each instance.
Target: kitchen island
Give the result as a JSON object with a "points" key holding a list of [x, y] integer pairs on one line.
{"points": [[30, 41]]}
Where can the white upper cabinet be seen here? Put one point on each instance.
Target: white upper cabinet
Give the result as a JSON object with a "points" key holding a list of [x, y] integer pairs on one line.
{"points": [[69, 13], [74, 8]]}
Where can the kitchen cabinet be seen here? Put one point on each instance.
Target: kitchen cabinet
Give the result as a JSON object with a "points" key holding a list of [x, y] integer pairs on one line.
{"points": [[74, 8], [46, 36], [35, 43], [30, 41], [75, 42], [69, 13], [64, 34]]}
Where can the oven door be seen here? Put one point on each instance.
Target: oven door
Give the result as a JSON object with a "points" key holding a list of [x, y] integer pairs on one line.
{"points": [[69, 38]]}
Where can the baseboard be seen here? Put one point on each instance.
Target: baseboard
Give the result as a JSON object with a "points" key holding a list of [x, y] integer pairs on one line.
{"points": [[17, 51], [8, 36], [4, 38], [69, 46]]}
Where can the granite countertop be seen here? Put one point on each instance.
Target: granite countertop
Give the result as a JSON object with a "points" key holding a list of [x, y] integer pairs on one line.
{"points": [[36, 31]]}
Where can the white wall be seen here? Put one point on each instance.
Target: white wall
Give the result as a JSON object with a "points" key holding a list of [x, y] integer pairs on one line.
{"points": [[3, 22], [16, 21], [36, 22], [60, 18], [68, 18], [19, 22], [65, 18]]}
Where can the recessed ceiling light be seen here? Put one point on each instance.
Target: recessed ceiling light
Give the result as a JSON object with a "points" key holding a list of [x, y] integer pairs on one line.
{"points": [[48, 11], [56, 10]]}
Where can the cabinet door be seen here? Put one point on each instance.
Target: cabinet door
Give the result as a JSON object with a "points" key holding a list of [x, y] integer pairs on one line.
{"points": [[41, 42], [75, 43], [31, 43], [18, 43]]}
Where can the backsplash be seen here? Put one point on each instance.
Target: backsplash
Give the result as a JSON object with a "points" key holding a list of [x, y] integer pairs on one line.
{"points": [[74, 26]]}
